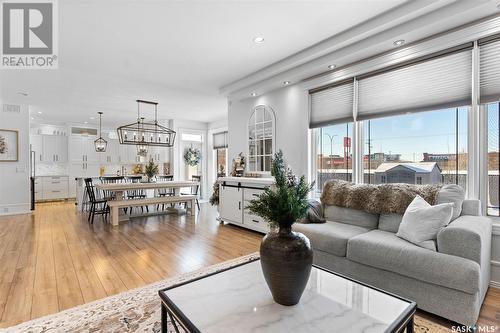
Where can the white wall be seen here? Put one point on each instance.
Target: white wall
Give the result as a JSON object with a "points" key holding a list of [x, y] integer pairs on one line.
{"points": [[495, 254], [14, 176], [290, 106]]}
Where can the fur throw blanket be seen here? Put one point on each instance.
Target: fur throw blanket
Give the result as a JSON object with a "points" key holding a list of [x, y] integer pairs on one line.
{"points": [[377, 199]]}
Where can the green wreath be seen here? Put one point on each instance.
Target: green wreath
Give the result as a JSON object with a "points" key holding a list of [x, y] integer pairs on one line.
{"points": [[192, 156]]}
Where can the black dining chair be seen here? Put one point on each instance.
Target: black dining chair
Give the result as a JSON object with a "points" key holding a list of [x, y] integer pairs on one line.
{"points": [[110, 180], [164, 192], [97, 206], [195, 189], [135, 194]]}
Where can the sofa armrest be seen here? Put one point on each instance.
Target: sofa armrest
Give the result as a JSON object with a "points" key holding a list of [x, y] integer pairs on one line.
{"points": [[467, 237], [471, 207]]}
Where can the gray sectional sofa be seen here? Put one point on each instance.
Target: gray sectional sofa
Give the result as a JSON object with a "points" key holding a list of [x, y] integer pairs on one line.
{"points": [[450, 282]]}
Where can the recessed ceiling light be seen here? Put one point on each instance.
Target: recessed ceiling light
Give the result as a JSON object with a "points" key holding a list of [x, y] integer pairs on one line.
{"points": [[399, 42], [39, 112], [32, 118], [332, 66], [253, 94], [286, 83], [85, 122], [92, 118], [258, 40]]}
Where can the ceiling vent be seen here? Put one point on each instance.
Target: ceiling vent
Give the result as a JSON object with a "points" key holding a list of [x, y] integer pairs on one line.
{"points": [[83, 131], [11, 108]]}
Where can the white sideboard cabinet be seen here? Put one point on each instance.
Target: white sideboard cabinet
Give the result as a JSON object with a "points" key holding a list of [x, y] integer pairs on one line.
{"points": [[234, 195]]}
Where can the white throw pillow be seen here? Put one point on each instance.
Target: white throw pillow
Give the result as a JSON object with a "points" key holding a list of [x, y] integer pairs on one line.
{"points": [[421, 222]]}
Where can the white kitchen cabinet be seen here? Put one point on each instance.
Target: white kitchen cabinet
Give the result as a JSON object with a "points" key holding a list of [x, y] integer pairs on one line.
{"points": [[50, 148], [55, 149], [112, 153], [51, 188], [82, 149], [36, 142]]}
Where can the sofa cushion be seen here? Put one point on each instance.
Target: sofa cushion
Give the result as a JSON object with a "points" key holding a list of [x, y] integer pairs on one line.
{"points": [[384, 250], [389, 222], [351, 216], [454, 194], [330, 237]]}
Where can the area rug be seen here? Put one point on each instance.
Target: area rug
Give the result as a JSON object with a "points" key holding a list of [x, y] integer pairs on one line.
{"points": [[138, 310]]}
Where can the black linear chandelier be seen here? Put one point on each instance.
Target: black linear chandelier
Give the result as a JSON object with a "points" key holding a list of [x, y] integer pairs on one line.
{"points": [[100, 144], [144, 134]]}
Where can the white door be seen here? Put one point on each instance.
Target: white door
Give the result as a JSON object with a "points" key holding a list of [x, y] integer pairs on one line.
{"points": [[230, 204]]}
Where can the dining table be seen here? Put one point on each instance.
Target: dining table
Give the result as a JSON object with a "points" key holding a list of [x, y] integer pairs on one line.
{"points": [[120, 189]]}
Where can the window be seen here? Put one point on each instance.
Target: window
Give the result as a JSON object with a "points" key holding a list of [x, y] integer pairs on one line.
{"points": [[221, 162], [493, 110], [191, 137], [418, 148], [260, 139], [333, 154]]}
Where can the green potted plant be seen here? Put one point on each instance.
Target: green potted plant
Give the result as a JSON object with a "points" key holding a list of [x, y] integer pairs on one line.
{"points": [[286, 256], [151, 170]]}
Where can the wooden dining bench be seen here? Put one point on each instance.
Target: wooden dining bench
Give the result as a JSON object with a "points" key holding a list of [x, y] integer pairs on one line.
{"points": [[115, 205]]}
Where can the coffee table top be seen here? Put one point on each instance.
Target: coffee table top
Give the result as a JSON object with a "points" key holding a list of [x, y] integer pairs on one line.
{"points": [[238, 300]]}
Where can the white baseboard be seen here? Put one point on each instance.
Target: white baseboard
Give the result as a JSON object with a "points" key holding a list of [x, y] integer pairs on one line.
{"points": [[14, 209], [495, 284]]}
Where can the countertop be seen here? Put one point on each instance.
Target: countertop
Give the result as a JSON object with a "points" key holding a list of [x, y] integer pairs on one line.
{"points": [[248, 180]]}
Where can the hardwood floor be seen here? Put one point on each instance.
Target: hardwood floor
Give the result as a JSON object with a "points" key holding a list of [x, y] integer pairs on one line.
{"points": [[53, 260]]}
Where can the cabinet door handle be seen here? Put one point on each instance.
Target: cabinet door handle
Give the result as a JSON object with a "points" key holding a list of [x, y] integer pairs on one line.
{"points": [[255, 195], [256, 221], [239, 205]]}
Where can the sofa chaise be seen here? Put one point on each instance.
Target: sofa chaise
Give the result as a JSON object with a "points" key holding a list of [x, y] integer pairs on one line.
{"points": [[450, 282]]}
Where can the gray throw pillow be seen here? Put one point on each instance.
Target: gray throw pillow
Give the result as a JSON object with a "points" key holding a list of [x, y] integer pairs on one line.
{"points": [[314, 212], [421, 222]]}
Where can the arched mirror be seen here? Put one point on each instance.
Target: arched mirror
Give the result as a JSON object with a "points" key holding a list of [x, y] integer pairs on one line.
{"points": [[261, 139]]}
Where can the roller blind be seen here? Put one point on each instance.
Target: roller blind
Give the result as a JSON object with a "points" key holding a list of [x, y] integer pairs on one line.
{"points": [[331, 105], [489, 72], [220, 140], [435, 83]]}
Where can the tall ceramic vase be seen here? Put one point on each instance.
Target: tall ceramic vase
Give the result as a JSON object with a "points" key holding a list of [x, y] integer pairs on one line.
{"points": [[286, 258]]}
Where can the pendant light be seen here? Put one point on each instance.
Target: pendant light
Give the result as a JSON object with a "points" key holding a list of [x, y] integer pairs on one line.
{"points": [[100, 144], [144, 133], [142, 147]]}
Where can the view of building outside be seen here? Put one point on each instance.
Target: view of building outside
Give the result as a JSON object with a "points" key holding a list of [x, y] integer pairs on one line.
{"points": [[493, 159], [334, 154], [418, 148]]}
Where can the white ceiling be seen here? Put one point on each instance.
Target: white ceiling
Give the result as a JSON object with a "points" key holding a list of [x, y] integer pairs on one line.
{"points": [[180, 53], [176, 52]]}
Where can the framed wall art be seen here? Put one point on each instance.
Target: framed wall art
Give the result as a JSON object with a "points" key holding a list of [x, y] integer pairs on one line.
{"points": [[9, 145]]}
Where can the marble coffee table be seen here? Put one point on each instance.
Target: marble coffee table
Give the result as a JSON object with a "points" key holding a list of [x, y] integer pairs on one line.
{"points": [[238, 300]]}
